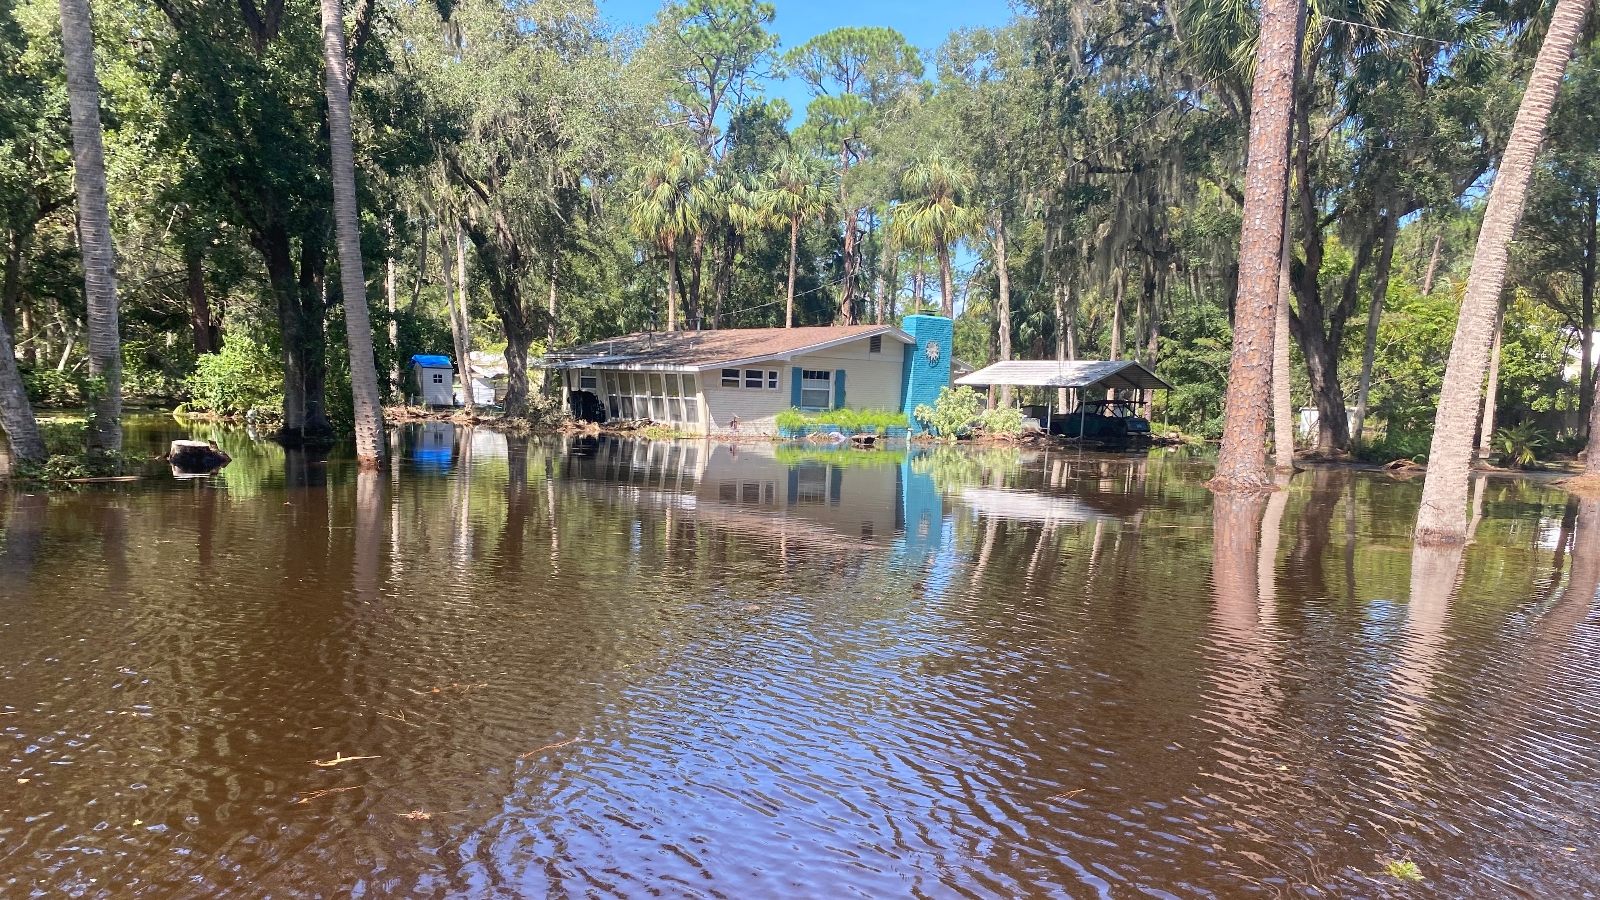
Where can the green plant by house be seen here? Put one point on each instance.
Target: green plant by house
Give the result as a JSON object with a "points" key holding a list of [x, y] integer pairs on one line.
{"points": [[1518, 445], [873, 421], [953, 415]]}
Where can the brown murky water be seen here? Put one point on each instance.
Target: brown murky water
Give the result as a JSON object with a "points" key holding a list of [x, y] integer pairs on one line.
{"points": [[611, 669]]}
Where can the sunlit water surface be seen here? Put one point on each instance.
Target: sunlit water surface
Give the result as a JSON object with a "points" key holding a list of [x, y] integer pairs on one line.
{"points": [[613, 669]]}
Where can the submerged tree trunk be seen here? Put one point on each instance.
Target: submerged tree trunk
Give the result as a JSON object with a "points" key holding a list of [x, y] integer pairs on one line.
{"points": [[465, 312], [504, 269], [94, 228], [16, 416], [1003, 304], [297, 294], [1369, 349], [1066, 344], [1586, 289], [1442, 517], [458, 335], [366, 401], [1282, 399], [1241, 463], [394, 310]]}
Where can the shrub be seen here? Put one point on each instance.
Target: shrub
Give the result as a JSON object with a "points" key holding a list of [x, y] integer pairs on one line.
{"points": [[1412, 445], [1518, 445], [954, 414], [1002, 420], [243, 376], [857, 421], [48, 388]]}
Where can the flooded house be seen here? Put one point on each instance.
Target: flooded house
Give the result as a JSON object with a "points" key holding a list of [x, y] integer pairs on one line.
{"points": [[740, 379]]}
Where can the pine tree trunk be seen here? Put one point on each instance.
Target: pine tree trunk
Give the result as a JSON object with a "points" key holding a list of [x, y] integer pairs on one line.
{"points": [[552, 312], [794, 252], [1369, 349], [1442, 518], [1063, 334], [366, 398], [16, 415], [94, 228], [1241, 463]]}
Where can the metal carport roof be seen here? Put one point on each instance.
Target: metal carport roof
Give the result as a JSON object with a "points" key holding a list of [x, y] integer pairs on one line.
{"points": [[1083, 373]]}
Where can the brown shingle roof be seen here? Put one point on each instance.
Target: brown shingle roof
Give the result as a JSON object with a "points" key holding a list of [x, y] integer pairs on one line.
{"points": [[710, 348]]}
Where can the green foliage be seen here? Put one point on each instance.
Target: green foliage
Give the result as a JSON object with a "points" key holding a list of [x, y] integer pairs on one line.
{"points": [[1396, 444], [854, 421], [848, 457], [953, 415], [1402, 870], [1003, 420], [50, 389], [245, 375], [1518, 445], [1194, 359]]}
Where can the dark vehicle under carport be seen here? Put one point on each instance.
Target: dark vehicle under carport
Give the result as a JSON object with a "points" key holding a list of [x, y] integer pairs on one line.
{"points": [[1091, 415]]}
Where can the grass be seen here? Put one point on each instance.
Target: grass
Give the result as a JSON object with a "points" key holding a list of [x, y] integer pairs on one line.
{"points": [[1402, 870]]}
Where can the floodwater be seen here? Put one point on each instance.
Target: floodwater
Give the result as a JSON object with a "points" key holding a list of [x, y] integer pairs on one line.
{"points": [[612, 669]]}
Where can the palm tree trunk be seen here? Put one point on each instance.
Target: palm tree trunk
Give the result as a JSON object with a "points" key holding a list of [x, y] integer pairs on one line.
{"points": [[1369, 350], [94, 227], [366, 400], [1241, 464], [672, 285], [1003, 306], [1491, 393], [16, 416], [794, 253], [1586, 280], [1442, 518], [947, 281]]}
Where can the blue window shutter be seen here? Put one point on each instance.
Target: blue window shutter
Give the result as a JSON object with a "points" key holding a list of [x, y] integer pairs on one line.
{"points": [[794, 387], [838, 389]]}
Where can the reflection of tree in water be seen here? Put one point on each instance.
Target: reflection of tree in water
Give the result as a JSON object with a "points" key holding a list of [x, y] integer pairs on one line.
{"points": [[22, 519], [1306, 568]]}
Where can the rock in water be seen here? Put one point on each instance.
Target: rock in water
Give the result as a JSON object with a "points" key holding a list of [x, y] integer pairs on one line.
{"points": [[196, 458]]}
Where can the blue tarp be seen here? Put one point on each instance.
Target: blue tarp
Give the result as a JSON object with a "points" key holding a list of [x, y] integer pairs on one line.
{"points": [[432, 362]]}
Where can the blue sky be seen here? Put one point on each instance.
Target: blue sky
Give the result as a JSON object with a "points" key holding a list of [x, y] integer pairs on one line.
{"points": [[925, 23]]}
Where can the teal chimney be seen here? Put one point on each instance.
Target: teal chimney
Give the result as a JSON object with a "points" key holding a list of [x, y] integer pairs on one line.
{"points": [[926, 369]]}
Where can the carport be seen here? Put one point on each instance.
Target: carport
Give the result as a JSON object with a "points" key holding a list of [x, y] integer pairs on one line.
{"points": [[1077, 376]]}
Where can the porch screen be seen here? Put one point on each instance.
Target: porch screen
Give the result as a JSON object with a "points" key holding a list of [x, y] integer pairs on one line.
{"points": [[691, 400]]}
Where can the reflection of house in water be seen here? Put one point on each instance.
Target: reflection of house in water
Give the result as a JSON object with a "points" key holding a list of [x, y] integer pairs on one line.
{"points": [[817, 498], [434, 447]]}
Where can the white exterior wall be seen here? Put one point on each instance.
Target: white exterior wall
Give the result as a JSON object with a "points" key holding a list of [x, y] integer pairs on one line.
{"points": [[872, 381], [435, 394]]}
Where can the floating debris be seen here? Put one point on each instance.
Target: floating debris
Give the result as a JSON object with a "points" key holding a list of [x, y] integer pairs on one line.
{"points": [[548, 747], [1066, 795], [339, 758], [317, 795]]}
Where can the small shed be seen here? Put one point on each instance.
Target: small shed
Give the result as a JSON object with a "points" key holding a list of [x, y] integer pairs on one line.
{"points": [[435, 379]]}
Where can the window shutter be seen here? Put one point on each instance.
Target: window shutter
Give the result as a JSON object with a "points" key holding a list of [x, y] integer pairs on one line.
{"points": [[794, 387], [838, 389]]}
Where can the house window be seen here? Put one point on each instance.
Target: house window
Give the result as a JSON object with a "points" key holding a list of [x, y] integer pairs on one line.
{"points": [[772, 379], [691, 401], [587, 382], [438, 378], [875, 344], [816, 389], [752, 378], [674, 399], [611, 394], [730, 377]]}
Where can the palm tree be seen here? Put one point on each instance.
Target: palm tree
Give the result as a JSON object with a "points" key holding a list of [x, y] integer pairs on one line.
{"points": [[1442, 518], [20, 429], [94, 228], [666, 209], [934, 214], [366, 399], [1241, 463], [791, 192]]}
